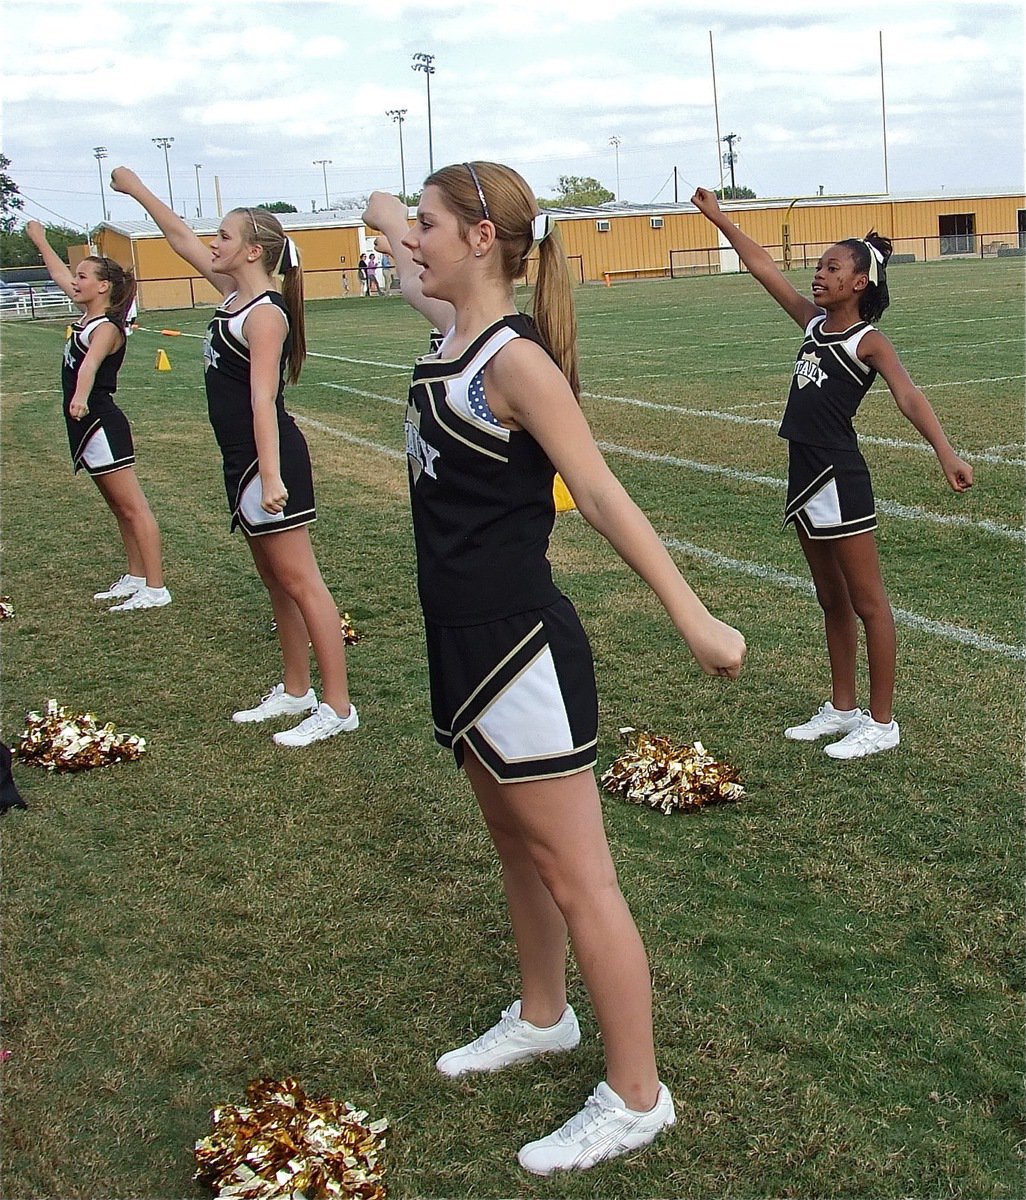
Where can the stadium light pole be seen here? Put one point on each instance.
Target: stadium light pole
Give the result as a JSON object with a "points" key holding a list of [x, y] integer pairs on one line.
{"points": [[164, 143], [398, 115], [425, 63], [199, 194], [99, 153], [323, 163], [615, 141]]}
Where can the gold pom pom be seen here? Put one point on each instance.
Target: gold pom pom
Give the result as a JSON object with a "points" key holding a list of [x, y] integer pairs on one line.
{"points": [[64, 741], [286, 1145], [668, 775], [6, 608], [348, 630]]}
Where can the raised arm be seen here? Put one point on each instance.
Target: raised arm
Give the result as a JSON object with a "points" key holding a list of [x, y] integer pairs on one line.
{"points": [[525, 385], [389, 214], [758, 260], [182, 240], [56, 267]]}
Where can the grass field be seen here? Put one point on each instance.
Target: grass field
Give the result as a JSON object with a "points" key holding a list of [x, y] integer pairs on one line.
{"points": [[837, 960]]}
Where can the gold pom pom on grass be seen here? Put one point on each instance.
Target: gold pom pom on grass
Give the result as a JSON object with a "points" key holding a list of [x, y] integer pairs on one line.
{"points": [[349, 634], [65, 741], [6, 608], [665, 774], [284, 1144]]}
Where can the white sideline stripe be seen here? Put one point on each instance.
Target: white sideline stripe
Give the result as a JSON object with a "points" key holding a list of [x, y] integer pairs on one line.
{"points": [[736, 419], [953, 633], [342, 387], [348, 437], [908, 512]]}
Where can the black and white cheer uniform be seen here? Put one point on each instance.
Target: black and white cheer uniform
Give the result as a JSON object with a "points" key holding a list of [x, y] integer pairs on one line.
{"points": [[102, 441], [226, 365], [829, 492], [510, 665]]}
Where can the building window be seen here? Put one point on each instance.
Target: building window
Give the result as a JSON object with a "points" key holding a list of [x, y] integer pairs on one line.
{"points": [[602, 226], [656, 222], [958, 233], [1022, 228]]}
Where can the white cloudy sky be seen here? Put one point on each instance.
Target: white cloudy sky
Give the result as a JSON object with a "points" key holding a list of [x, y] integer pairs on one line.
{"points": [[257, 90]]}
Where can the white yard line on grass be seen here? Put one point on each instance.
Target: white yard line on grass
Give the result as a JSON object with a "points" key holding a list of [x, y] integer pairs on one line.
{"points": [[941, 629]]}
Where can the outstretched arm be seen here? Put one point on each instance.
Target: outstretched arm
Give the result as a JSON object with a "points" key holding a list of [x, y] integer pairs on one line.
{"points": [[182, 240], [758, 260], [389, 214], [524, 384], [56, 267], [877, 352]]}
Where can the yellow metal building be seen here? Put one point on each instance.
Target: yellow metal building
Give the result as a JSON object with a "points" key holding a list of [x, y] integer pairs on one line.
{"points": [[621, 241]]}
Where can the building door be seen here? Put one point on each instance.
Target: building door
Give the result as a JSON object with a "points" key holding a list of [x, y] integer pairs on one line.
{"points": [[958, 233]]}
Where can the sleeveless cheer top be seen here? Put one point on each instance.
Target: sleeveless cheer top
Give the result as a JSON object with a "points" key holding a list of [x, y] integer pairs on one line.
{"points": [[481, 494], [827, 387], [75, 350]]}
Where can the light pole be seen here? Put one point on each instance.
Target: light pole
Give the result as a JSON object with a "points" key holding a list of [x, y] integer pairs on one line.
{"points": [[398, 115], [615, 141], [199, 194], [164, 143], [730, 158], [100, 152], [323, 164], [425, 63]]}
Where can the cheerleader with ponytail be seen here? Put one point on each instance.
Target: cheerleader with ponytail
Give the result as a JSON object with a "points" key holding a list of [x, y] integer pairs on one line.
{"points": [[98, 431], [829, 493], [492, 415], [256, 342]]}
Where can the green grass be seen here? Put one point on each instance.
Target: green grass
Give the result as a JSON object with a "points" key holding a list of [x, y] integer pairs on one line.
{"points": [[837, 960]]}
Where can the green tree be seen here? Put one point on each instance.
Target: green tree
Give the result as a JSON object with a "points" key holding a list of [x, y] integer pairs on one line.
{"points": [[280, 206], [17, 251], [735, 193], [576, 190], [10, 200]]}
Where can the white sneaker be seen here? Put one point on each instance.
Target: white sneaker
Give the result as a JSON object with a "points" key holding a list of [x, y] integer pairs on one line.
{"points": [[122, 588], [277, 703], [870, 738], [603, 1129], [323, 722], [144, 597], [827, 720], [511, 1040]]}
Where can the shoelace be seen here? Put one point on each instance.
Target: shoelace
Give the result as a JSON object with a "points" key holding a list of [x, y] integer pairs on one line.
{"points": [[593, 1111], [496, 1033]]}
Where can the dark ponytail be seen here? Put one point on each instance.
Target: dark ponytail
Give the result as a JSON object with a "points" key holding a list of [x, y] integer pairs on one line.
{"points": [[122, 287], [874, 300]]}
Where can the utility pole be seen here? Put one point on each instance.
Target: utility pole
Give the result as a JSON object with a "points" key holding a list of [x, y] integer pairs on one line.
{"points": [[730, 158], [425, 63], [398, 115], [615, 141], [164, 143], [199, 194], [323, 164], [100, 152]]}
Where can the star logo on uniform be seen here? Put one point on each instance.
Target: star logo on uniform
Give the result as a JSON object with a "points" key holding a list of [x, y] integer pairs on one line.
{"points": [[210, 355], [808, 370], [68, 360], [421, 455]]}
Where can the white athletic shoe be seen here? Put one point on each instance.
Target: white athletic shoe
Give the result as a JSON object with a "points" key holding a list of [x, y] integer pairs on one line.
{"points": [[870, 738], [277, 703], [603, 1129], [145, 597], [511, 1040], [323, 722], [122, 588], [827, 720]]}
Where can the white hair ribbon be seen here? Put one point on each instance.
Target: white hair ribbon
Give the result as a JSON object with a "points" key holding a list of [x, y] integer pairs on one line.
{"points": [[875, 262], [289, 257], [542, 227]]}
